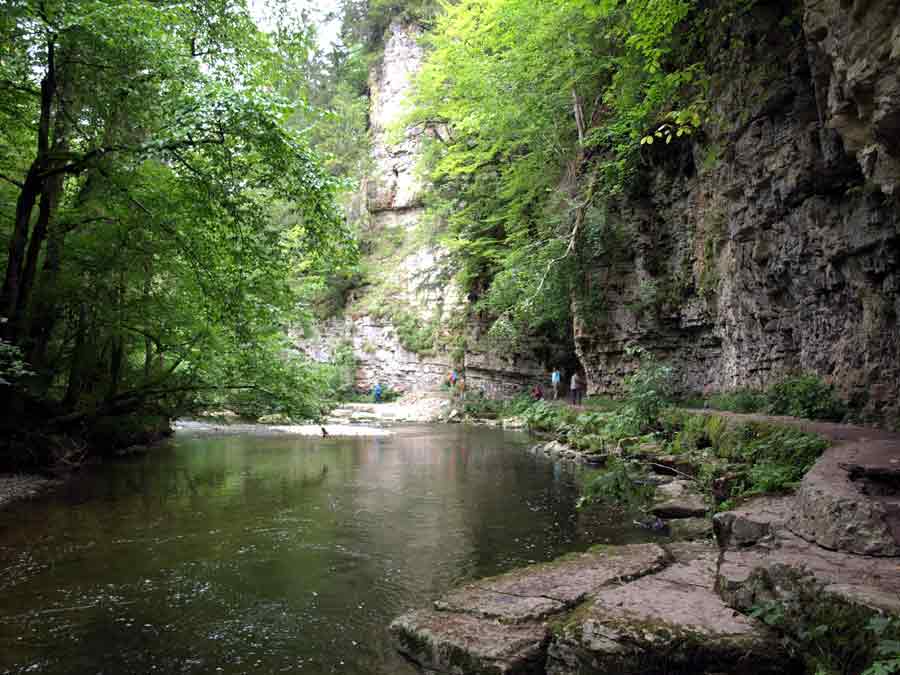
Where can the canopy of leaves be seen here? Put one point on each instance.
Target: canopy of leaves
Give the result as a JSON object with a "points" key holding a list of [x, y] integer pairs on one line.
{"points": [[157, 208], [539, 109]]}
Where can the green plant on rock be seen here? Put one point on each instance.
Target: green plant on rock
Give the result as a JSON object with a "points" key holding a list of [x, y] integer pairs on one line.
{"points": [[414, 334], [805, 396], [620, 484], [739, 401], [831, 636], [649, 388], [886, 631]]}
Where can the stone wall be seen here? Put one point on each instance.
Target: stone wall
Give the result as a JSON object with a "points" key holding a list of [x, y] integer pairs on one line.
{"points": [[772, 244]]}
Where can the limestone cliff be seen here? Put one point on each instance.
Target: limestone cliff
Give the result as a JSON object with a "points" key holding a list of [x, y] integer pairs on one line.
{"points": [[772, 244], [411, 322]]}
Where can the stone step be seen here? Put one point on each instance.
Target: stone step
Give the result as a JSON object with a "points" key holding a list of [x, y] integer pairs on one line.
{"points": [[842, 506], [671, 621], [781, 564], [621, 609]]}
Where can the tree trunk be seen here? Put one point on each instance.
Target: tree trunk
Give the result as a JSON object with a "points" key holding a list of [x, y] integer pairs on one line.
{"points": [[12, 299], [76, 365]]}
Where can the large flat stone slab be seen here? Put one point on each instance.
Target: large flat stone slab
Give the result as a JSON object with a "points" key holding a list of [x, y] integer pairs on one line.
{"points": [[497, 625], [462, 644], [669, 622], [537, 591], [749, 576]]}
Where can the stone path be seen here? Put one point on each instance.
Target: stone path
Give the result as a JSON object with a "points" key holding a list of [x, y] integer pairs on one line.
{"points": [[850, 499]]}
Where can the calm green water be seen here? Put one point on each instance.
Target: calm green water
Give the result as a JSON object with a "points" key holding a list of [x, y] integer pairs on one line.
{"points": [[271, 554]]}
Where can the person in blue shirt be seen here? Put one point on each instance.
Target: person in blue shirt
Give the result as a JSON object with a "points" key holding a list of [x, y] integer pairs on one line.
{"points": [[377, 392], [554, 381]]}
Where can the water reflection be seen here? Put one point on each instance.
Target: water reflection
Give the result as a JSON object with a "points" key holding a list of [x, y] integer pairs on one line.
{"points": [[275, 554]]}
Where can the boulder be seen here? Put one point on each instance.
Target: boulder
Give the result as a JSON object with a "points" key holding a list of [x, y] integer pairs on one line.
{"points": [[689, 529], [754, 520], [841, 503], [679, 499], [775, 567]]}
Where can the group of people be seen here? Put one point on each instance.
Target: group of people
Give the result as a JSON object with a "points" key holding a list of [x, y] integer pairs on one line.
{"points": [[576, 387], [456, 383]]}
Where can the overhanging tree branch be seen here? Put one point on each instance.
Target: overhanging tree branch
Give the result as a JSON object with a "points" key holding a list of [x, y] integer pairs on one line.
{"points": [[18, 184]]}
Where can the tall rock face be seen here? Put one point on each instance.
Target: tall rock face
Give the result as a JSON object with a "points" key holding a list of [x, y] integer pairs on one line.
{"points": [[772, 244], [413, 323]]}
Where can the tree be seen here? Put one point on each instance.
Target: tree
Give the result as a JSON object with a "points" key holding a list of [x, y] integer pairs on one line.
{"points": [[161, 206], [538, 111]]}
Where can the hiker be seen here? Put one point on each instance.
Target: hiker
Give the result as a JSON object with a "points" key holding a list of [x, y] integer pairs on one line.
{"points": [[377, 391], [451, 378], [577, 387], [555, 378], [461, 388], [537, 393]]}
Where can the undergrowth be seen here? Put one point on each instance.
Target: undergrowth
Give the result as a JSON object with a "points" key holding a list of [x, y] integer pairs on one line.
{"points": [[832, 637], [805, 395], [738, 460]]}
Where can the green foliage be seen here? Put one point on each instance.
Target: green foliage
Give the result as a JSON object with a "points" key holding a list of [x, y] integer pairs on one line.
{"points": [[341, 372], [739, 401], [12, 364], [545, 416], [649, 389], [805, 396], [620, 485], [414, 335], [523, 164], [168, 207], [489, 408], [832, 637], [886, 631], [750, 458]]}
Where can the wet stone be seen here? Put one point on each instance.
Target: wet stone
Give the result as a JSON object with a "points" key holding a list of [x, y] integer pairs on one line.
{"points": [[537, 591], [671, 621], [462, 644], [679, 499]]}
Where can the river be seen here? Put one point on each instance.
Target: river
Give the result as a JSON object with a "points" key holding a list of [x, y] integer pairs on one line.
{"points": [[272, 553]]}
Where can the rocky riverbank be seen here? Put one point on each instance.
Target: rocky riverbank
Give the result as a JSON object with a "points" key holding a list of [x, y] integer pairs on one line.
{"points": [[693, 607], [14, 487]]}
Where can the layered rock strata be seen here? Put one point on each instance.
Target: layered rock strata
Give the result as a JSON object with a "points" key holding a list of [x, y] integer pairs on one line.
{"points": [[771, 243], [415, 284]]}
